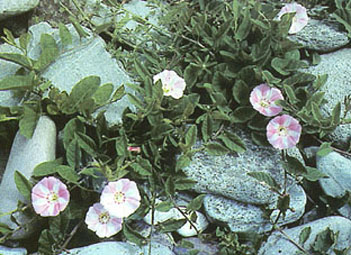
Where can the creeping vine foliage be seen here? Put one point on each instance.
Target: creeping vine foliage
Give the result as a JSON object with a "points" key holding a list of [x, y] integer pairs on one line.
{"points": [[223, 49]]}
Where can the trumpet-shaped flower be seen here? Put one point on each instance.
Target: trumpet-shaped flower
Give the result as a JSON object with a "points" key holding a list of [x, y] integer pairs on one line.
{"points": [[172, 84], [120, 198], [283, 132], [263, 99], [100, 221], [135, 149], [300, 19], [49, 197]]}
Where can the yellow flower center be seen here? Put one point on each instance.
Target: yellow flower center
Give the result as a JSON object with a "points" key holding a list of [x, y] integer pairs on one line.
{"points": [[165, 89], [119, 197], [282, 131], [52, 197], [264, 103], [104, 218]]}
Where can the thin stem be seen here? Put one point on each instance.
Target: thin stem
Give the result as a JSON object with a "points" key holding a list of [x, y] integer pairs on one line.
{"points": [[292, 241], [70, 236]]}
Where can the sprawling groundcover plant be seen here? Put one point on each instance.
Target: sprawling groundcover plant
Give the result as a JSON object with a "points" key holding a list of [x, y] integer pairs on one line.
{"points": [[240, 72]]}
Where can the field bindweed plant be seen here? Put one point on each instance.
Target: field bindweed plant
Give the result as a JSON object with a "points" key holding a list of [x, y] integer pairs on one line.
{"points": [[210, 68]]}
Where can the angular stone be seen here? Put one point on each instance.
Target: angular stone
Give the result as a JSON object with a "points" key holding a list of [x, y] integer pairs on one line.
{"points": [[338, 67], [12, 251], [110, 248], [241, 217], [321, 35], [201, 246], [338, 168], [24, 156], [14, 7], [84, 57], [277, 244], [228, 175]]}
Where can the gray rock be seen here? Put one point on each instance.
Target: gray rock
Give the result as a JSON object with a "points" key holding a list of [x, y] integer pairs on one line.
{"points": [[84, 57], [228, 175], [203, 247], [338, 67], [321, 35], [24, 156], [277, 244], [12, 251], [106, 248], [345, 211], [14, 7], [241, 217], [338, 168], [110, 248]]}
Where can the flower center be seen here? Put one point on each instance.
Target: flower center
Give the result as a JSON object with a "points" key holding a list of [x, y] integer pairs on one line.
{"points": [[119, 197], [52, 197], [166, 89], [282, 131], [104, 217], [264, 103]]}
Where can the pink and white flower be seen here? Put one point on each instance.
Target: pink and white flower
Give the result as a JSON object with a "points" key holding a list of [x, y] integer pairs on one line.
{"points": [[49, 197], [300, 19], [263, 99], [283, 132], [134, 149], [172, 84], [121, 198], [100, 221]]}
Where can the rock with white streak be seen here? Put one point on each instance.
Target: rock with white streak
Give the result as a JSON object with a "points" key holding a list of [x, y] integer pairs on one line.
{"points": [[24, 156], [12, 251]]}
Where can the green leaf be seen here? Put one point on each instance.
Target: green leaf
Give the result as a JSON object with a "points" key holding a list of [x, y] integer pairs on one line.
{"points": [[73, 126], [86, 143], [171, 225], [46, 168], [83, 90], [294, 166], [142, 167], [291, 94], [4, 229], [136, 101], [141, 70], [16, 58], [207, 127], [324, 149], [73, 153], [49, 52], [216, 149], [183, 183], [10, 39], [313, 174], [133, 236], [24, 40], [283, 203], [65, 35], [336, 114], [323, 241], [244, 27], [119, 93], [243, 114], [196, 203], [46, 242], [169, 186], [103, 94], [304, 235], [269, 77], [232, 142], [190, 136], [23, 185], [81, 32], [164, 206], [266, 178], [241, 92], [68, 173], [28, 122], [182, 162], [320, 81], [16, 82]]}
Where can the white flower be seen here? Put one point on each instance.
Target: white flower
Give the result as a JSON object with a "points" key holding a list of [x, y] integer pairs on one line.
{"points": [[172, 84], [300, 19]]}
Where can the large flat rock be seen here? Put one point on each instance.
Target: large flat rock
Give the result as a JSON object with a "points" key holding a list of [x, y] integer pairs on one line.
{"points": [[24, 156], [277, 244], [338, 67]]}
